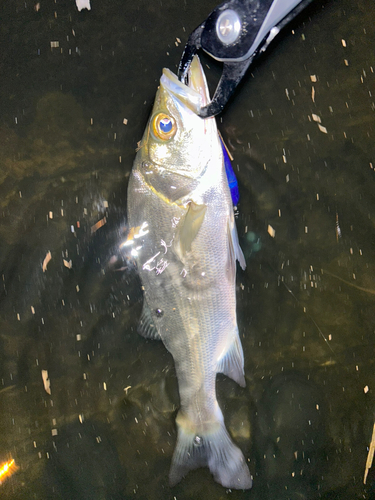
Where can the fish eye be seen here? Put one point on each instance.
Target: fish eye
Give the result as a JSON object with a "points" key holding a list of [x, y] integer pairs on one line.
{"points": [[163, 126]]}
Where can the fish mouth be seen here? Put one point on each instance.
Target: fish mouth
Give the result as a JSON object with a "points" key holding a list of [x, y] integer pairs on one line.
{"points": [[195, 95]]}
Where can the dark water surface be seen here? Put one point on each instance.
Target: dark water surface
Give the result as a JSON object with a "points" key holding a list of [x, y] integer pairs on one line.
{"points": [[301, 130]]}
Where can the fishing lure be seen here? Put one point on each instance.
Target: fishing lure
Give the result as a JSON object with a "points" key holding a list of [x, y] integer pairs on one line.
{"points": [[231, 176]]}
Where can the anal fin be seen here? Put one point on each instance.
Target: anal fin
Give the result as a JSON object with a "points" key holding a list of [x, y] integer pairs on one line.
{"points": [[234, 244], [146, 326], [231, 362]]}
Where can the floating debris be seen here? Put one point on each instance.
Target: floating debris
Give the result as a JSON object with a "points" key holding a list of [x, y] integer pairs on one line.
{"points": [[271, 231], [370, 455], [322, 129], [47, 258], [316, 118], [337, 228], [98, 225], [83, 4], [46, 382]]}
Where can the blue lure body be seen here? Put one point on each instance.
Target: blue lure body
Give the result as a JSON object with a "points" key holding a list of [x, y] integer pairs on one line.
{"points": [[231, 176]]}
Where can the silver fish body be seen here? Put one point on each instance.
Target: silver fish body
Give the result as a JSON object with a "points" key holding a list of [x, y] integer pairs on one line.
{"points": [[186, 245]]}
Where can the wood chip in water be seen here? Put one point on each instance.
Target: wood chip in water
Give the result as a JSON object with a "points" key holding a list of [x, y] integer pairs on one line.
{"points": [[370, 455], [47, 258], [271, 231], [316, 118], [46, 382], [98, 225], [322, 129]]}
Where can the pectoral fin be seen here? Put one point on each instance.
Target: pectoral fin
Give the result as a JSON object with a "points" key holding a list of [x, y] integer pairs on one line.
{"points": [[232, 361], [188, 228], [146, 327]]}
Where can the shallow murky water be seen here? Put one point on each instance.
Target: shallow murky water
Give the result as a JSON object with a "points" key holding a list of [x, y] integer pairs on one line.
{"points": [[76, 92]]}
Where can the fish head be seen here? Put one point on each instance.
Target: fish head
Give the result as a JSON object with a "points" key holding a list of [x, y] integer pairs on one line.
{"points": [[177, 142]]}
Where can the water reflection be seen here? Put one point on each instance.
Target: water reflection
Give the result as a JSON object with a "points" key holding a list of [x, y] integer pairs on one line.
{"points": [[305, 302]]}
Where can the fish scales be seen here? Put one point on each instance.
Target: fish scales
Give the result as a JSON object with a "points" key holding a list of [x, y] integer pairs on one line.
{"points": [[186, 251]]}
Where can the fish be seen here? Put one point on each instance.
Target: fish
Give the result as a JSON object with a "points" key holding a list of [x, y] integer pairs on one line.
{"points": [[185, 244]]}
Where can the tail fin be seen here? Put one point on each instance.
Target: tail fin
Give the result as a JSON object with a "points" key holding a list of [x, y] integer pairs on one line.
{"points": [[215, 450]]}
